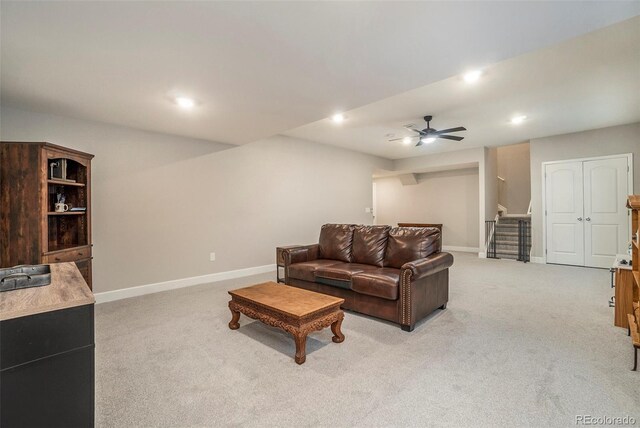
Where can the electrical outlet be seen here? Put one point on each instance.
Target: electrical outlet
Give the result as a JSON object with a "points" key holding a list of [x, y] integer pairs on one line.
{"points": [[212, 257]]}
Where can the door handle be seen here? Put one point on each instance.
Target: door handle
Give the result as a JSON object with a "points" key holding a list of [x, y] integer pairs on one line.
{"points": [[588, 218], [579, 218]]}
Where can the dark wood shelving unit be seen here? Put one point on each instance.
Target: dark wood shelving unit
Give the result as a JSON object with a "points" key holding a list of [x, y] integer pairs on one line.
{"points": [[67, 213], [31, 177], [65, 183]]}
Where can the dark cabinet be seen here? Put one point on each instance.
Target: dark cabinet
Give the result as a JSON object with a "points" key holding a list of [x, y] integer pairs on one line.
{"points": [[47, 345]]}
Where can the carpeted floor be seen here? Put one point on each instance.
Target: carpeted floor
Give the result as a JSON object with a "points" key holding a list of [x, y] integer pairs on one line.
{"points": [[519, 345]]}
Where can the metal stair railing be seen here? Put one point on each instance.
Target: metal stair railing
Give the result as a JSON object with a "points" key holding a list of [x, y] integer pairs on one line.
{"points": [[490, 243], [524, 240]]}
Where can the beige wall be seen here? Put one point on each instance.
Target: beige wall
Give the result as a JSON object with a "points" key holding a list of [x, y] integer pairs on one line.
{"points": [[447, 197], [600, 142], [163, 203], [469, 158], [483, 158], [514, 167], [490, 171]]}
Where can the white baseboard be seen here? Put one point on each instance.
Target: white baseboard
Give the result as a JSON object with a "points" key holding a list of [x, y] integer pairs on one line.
{"points": [[482, 255], [463, 249], [125, 293]]}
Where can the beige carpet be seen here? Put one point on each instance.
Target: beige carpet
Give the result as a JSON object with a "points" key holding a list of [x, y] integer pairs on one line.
{"points": [[519, 345]]}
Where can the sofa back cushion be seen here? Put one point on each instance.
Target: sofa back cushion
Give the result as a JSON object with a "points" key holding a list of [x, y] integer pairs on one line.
{"points": [[370, 244], [407, 244], [336, 241]]}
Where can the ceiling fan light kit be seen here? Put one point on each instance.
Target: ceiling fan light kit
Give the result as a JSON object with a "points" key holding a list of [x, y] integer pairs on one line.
{"points": [[429, 135]]}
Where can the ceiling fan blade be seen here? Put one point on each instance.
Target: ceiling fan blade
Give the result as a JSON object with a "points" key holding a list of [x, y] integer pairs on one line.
{"points": [[419, 143], [402, 138], [451, 137], [416, 130], [446, 131]]}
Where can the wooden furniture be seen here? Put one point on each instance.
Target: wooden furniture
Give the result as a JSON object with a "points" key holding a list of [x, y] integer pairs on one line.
{"points": [[436, 225], [280, 261], [47, 353], [623, 302], [31, 176], [295, 311], [633, 203]]}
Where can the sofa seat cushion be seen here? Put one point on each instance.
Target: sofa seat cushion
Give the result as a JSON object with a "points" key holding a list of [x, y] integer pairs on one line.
{"points": [[341, 271], [336, 241], [406, 244], [369, 244], [381, 282], [305, 271]]}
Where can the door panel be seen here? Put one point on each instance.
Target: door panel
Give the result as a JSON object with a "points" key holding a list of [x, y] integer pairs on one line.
{"points": [[564, 187], [604, 239], [564, 209], [563, 238], [606, 220]]}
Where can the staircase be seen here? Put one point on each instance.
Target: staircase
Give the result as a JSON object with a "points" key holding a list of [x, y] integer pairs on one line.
{"points": [[508, 242]]}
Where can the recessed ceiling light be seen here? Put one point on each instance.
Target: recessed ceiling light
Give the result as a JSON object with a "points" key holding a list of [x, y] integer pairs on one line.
{"points": [[338, 118], [517, 120], [185, 103], [472, 76], [407, 140], [428, 140]]}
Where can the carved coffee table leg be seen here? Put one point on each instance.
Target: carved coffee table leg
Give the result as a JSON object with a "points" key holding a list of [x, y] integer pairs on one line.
{"points": [[301, 347], [235, 316], [338, 337]]}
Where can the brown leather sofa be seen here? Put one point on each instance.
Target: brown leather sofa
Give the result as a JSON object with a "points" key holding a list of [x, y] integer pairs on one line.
{"points": [[397, 274]]}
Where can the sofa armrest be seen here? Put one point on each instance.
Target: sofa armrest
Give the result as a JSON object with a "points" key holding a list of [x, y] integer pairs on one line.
{"points": [[424, 287], [303, 253], [429, 265]]}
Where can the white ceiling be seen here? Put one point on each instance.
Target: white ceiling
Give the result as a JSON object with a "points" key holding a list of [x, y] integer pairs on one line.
{"points": [[592, 81], [261, 68]]}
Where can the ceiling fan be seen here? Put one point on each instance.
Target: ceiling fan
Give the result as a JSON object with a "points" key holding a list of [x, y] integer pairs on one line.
{"points": [[429, 135]]}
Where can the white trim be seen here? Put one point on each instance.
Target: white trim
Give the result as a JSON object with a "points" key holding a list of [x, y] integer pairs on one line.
{"points": [[482, 255], [621, 155], [540, 260], [125, 293], [629, 157], [462, 249]]}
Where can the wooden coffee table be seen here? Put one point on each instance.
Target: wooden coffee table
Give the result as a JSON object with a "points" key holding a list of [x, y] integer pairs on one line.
{"points": [[291, 309]]}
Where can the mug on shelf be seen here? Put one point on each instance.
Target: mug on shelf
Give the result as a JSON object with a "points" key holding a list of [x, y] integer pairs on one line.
{"points": [[60, 208]]}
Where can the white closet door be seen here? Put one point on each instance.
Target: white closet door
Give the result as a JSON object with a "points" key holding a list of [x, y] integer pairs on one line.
{"points": [[564, 211], [606, 222]]}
